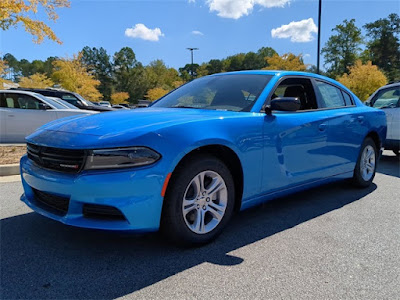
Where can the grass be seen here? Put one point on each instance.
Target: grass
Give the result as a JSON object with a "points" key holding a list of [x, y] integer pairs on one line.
{"points": [[11, 154]]}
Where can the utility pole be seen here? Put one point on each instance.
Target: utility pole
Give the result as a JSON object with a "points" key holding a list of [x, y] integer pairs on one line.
{"points": [[191, 67], [319, 36]]}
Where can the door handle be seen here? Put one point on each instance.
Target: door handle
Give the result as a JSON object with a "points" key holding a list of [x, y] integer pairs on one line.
{"points": [[11, 115], [360, 119], [322, 127]]}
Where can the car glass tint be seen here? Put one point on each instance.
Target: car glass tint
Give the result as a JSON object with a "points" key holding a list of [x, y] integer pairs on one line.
{"points": [[347, 99], [222, 92], [330, 95], [388, 98]]}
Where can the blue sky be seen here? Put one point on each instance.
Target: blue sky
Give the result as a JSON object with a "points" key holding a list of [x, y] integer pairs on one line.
{"points": [[227, 27]]}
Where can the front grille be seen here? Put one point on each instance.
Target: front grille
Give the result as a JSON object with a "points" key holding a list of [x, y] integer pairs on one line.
{"points": [[97, 211], [50, 202], [63, 160]]}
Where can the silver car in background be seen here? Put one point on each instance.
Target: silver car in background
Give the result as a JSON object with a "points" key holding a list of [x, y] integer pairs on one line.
{"points": [[22, 112]]}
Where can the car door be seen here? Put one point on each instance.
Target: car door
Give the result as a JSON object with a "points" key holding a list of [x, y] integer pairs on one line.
{"points": [[346, 127], [23, 115], [294, 142]]}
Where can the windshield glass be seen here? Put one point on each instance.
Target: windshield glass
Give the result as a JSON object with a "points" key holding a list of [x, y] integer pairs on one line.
{"points": [[387, 98], [234, 92], [85, 102], [49, 101]]}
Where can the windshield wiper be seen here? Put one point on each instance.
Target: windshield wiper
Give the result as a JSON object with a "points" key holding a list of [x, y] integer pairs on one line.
{"points": [[185, 106]]}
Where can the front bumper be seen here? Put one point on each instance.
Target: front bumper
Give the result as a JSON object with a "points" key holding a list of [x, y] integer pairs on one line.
{"points": [[136, 193]]}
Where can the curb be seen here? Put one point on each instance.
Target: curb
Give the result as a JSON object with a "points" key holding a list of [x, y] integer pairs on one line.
{"points": [[7, 170]]}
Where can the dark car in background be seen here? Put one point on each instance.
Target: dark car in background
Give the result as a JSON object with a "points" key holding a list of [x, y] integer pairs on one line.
{"points": [[73, 98]]}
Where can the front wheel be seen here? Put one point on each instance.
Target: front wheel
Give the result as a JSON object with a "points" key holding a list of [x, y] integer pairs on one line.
{"points": [[199, 201], [365, 169]]}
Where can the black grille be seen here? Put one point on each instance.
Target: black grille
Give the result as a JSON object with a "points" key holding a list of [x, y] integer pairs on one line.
{"points": [[50, 202], [63, 160], [102, 212]]}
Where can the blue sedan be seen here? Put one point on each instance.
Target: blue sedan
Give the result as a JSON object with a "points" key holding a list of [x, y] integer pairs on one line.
{"points": [[216, 145]]}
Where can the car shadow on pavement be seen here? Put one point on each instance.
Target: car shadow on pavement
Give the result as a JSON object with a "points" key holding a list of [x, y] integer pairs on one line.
{"points": [[43, 259], [389, 165]]}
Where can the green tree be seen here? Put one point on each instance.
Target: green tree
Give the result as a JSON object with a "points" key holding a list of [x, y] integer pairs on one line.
{"points": [[342, 49], [98, 62], [384, 45], [214, 66], [252, 61]]}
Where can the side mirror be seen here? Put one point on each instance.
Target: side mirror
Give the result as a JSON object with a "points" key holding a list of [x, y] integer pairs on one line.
{"points": [[283, 104], [44, 106]]}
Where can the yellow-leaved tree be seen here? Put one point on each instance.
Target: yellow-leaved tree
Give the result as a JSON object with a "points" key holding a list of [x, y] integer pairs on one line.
{"points": [[15, 12], [118, 98], [363, 80], [37, 80], [156, 93], [72, 75], [3, 73], [288, 61]]}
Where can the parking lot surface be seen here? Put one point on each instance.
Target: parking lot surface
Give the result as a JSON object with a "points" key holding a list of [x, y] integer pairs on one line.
{"points": [[331, 242]]}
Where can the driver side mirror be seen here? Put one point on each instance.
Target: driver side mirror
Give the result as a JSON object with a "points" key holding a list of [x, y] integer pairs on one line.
{"points": [[283, 104]]}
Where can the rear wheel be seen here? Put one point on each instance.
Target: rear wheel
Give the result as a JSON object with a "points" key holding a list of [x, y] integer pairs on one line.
{"points": [[365, 169], [199, 201]]}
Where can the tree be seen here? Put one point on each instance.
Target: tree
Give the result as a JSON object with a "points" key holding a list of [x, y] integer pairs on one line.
{"points": [[15, 12], [384, 45], [342, 49], [287, 61], [252, 61], [264, 52], [129, 74], [363, 80], [37, 80], [120, 97], [72, 75], [214, 66], [3, 73], [98, 62], [156, 93]]}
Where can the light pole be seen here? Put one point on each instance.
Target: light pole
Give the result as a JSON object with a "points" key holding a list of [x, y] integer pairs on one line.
{"points": [[191, 66], [319, 35]]}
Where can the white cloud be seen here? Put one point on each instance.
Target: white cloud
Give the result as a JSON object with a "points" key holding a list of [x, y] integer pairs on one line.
{"points": [[306, 55], [196, 32], [140, 31], [298, 32], [234, 9]]}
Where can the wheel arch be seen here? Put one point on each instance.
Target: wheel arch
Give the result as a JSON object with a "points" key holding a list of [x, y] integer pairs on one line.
{"points": [[228, 156], [377, 140]]}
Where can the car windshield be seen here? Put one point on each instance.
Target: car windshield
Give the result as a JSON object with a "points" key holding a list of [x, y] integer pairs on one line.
{"points": [[49, 101], [234, 92], [387, 98], [85, 102]]}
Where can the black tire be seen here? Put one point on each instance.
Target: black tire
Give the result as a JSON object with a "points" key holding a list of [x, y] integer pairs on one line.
{"points": [[358, 179], [173, 222]]}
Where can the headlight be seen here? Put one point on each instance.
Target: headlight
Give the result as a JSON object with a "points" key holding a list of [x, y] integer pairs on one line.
{"points": [[120, 158]]}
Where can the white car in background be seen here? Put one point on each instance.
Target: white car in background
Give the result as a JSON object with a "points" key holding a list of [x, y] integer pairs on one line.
{"points": [[63, 102], [388, 99], [22, 112]]}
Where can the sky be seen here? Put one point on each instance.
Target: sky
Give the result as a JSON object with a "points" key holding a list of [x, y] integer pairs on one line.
{"points": [[219, 28]]}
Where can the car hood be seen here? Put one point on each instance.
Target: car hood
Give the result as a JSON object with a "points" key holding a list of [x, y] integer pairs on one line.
{"points": [[134, 122]]}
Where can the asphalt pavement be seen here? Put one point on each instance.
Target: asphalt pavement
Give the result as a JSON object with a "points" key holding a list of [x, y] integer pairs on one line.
{"points": [[331, 242]]}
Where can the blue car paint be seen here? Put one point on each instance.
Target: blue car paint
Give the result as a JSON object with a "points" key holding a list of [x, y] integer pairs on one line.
{"points": [[279, 154]]}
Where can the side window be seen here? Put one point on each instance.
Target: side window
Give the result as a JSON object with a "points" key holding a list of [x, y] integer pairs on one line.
{"points": [[28, 102], [387, 98], [71, 99], [300, 88], [347, 99], [330, 96], [10, 101]]}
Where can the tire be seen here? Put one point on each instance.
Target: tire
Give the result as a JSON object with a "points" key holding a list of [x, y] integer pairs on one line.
{"points": [[194, 213], [365, 169]]}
